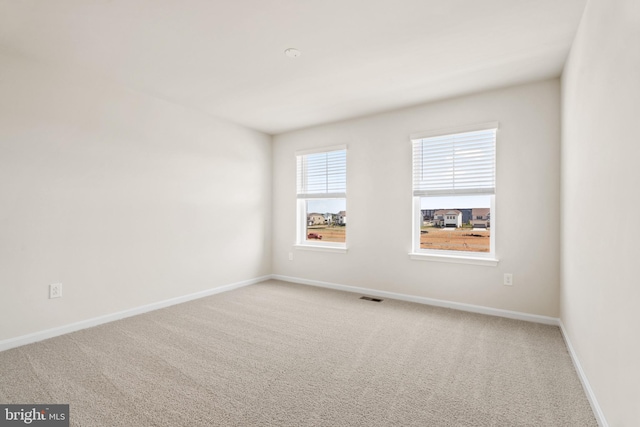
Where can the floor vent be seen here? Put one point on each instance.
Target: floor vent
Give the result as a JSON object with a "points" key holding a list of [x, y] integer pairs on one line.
{"points": [[371, 299]]}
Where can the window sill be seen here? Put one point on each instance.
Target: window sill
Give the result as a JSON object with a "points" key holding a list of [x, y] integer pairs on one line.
{"points": [[334, 249], [455, 259]]}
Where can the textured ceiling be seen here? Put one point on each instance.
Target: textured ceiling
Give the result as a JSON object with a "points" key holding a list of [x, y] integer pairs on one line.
{"points": [[358, 56]]}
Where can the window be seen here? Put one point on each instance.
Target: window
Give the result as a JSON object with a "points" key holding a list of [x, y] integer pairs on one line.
{"points": [[454, 193], [322, 198]]}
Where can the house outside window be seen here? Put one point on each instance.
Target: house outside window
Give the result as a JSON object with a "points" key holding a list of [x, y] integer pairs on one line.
{"points": [[454, 193], [322, 198]]}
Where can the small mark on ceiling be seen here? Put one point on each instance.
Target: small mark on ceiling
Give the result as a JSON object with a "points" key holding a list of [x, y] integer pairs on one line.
{"points": [[292, 52]]}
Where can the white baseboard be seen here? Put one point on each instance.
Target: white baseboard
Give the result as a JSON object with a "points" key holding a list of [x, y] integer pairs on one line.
{"points": [[423, 300], [84, 324], [597, 411]]}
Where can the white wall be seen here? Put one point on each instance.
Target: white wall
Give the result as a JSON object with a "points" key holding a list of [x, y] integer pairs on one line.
{"points": [[601, 173], [124, 198], [379, 202]]}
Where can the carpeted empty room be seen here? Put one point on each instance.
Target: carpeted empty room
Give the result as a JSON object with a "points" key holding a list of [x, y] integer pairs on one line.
{"points": [[319, 213], [283, 354]]}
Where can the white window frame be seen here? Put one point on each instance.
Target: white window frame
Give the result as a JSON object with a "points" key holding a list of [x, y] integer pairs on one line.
{"points": [[302, 243], [452, 256]]}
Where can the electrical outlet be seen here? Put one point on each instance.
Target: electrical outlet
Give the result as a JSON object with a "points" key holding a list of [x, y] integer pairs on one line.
{"points": [[290, 256], [55, 290], [508, 279]]}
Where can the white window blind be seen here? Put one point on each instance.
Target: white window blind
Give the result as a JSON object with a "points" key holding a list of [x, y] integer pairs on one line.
{"points": [[322, 175], [461, 163]]}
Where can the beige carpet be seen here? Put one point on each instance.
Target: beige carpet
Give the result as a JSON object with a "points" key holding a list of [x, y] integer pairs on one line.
{"points": [[280, 354]]}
